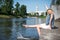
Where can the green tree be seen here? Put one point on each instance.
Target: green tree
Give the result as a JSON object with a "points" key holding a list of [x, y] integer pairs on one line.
{"points": [[57, 3], [3, 10], [1, 4], [9, 6], [42, 14], [6, 6], [23, 10], [17, 8]]}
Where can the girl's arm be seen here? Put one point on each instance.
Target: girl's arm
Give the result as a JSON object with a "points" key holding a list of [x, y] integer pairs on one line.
{"points": [[51, 18]]}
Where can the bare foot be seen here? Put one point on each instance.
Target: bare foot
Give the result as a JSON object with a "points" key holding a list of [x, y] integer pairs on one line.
{"points": [[49, 28], [25, 26]]}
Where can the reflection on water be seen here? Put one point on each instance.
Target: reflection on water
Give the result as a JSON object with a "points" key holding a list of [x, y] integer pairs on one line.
{"points": [[12, 28], [5, 29]]}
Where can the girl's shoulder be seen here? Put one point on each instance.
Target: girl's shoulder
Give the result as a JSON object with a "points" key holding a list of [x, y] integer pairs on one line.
{"points": [[52, 14]]}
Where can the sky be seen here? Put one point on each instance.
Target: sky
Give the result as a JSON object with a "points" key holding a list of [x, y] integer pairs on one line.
{"points": [[31, 4]]}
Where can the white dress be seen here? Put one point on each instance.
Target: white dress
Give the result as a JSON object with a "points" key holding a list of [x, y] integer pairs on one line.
{"points": [[44, 26]]}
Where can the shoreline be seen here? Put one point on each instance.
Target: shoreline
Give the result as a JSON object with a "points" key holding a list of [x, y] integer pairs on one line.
{"points": [[6, 16], [10, 16]]}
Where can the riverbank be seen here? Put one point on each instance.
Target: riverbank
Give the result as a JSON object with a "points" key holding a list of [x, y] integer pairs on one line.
{"points": [[42, 16], [37, 16], [6, 16], [10, 16]]}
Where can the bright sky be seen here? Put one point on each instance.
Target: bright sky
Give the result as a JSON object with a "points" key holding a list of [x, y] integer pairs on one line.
{"points": [[31, 4]]}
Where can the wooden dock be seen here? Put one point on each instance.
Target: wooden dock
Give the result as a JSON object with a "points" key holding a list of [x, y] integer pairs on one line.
{"points": [[53, 34]]}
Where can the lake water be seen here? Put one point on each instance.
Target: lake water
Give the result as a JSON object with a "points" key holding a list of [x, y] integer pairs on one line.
{"points": [[12, 28]]}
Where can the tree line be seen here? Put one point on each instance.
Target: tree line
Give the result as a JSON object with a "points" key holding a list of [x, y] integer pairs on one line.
{"points": [[7, 8]]}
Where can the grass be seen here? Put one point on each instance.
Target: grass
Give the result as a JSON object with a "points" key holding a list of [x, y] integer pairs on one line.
{"points": [[37, 16], [42, 16], [6, 16]]}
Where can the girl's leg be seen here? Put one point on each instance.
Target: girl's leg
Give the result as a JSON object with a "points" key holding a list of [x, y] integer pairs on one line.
{"points": [[30, 26], [38, 29]]}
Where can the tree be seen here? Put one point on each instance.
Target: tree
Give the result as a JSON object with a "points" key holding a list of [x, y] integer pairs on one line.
{"points": [[9, 6], [57, 3], [23, 10], [3, 10], [17, 8], [6, 6], [1, 2], [42, 14]]}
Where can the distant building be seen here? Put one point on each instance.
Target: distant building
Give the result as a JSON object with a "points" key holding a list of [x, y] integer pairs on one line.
{"points": [[37, 11], [56, 11]]}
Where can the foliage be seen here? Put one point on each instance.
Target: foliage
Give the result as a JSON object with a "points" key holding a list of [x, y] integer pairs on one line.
{"points": [[23, 11], [58, 2], [17, 9], [6, 8], [42, 14]]}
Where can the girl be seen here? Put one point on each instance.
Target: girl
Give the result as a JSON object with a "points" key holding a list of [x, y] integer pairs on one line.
{"points": [[49, 22]]}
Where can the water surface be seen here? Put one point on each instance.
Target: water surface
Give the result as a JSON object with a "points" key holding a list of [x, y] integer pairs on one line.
{"points": [[12, 28]]}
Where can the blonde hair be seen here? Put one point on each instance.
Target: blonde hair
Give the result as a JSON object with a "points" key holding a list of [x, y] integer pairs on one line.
{"points": [[49, 9]]}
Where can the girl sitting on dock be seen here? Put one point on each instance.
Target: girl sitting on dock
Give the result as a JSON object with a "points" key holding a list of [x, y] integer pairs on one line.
{"points": [[49, 22]]}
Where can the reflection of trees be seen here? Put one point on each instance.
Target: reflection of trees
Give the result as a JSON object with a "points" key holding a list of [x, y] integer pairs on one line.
{"points": [[23, 22], [20, 28], [6, 25], [7, 32], [7, 28]]}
